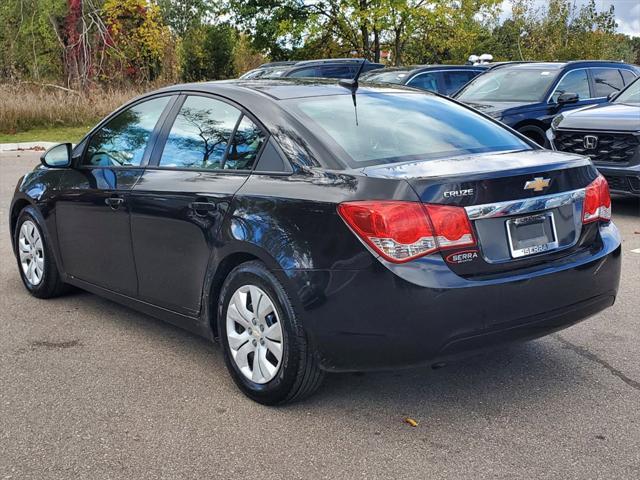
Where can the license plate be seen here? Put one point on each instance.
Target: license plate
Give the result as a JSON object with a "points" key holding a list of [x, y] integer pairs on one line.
{"points": [[532, 234]]}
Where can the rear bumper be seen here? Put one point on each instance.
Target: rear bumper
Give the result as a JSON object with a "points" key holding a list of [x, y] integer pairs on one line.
{"points": [[379, 319], [622, 180]]}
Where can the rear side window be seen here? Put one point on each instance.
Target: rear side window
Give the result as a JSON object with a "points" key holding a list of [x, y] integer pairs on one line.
{"points": [[200, 134], [607, 80], [123, 140], [399, 127], [425, 81], [627, 76], [305, 72], [455, 80], [337, 71], [246, 144], [576, 81]]}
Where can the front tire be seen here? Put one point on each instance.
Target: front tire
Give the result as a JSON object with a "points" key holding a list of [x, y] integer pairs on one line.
{"points": [[36, 263], [265, 347]]}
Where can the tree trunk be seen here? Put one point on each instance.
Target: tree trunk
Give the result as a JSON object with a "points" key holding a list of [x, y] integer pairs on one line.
{"points": [[376, 45]]}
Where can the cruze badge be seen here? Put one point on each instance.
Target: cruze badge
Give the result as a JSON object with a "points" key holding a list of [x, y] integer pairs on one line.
{"points": [[590, 142], [537, 184], [458, 193]]}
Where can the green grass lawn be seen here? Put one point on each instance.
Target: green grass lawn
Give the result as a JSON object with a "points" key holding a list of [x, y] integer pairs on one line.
{"points": [[52, 134]]}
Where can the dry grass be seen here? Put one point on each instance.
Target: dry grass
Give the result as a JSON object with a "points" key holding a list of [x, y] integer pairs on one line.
{"points": [[27, 107]]}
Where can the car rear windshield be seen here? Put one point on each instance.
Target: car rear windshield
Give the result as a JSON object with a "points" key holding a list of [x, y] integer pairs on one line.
{"points": [[509, 85], [397, 127]]}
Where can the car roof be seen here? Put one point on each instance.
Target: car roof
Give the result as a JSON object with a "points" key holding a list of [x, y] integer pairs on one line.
{"points": [[525, 65], [282, 89]]}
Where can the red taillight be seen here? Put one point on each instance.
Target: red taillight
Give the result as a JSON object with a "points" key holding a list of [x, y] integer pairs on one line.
{"points": [[597, 201], [402, 231]]}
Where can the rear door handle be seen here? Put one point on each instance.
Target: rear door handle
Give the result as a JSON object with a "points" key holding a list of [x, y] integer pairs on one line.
{"points": [[203, 208], [114, 202]]}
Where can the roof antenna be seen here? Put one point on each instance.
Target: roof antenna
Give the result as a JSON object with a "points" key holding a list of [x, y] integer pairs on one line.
{"points": [[352, 84]]}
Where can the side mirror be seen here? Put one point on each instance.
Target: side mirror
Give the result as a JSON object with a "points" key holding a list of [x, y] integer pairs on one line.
{"points": [[611, 96], [568, 97], [58, 156]]}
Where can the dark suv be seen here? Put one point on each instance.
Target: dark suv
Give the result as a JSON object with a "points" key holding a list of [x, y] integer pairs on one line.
{"points": [[327, 68], [443, 79], [609, 134], [526, 96]]}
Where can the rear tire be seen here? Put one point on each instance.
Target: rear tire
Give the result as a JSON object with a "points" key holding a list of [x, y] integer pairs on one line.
{"points": [[36, 263], [265, 346]]}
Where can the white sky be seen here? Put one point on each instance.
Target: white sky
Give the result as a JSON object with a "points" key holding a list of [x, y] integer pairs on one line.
{"points": [[627, 13]]}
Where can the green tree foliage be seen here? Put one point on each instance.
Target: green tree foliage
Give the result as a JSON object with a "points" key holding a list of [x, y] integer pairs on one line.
{"points": [[207, 52], [29, 45], [182, 15]]}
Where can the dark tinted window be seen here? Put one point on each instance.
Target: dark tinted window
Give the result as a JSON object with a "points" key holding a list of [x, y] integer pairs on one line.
{"points": [[455, 80], [607, 80], [627, 76], [245, 146], [123, 140], [425, 81], [575, 81], [400, 127], [305, 72], [200, 134], [337, 71]]}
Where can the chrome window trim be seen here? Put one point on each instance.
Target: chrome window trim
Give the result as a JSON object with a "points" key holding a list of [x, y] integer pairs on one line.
{"points": [[526, 205]]}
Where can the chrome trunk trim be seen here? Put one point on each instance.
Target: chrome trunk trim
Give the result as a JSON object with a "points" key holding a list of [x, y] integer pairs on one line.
{"points": [[526, 205]]}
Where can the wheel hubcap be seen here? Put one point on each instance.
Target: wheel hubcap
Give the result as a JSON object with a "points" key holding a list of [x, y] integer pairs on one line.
{"points": [[254, 333], [31, 252]]}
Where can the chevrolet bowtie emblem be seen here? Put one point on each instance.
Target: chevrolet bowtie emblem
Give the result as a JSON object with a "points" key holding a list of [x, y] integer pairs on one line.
{"points": [[537, 184]]}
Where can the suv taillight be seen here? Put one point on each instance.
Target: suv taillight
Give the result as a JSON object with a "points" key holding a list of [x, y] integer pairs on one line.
{"points": [[402, 231], [597, 201]]}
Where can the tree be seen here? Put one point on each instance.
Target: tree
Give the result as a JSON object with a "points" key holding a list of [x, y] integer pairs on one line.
{"points": [[137, 40], [207, 53], [182, 15]]}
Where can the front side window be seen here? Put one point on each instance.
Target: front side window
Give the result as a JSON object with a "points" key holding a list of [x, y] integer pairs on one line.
{"points": [[200, 134], [425, 81], [123, 140], [576, 81], [509, 85], [607, 80], [396, 127]]}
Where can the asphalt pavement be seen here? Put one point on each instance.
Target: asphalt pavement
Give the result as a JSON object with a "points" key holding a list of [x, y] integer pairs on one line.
{"points": [[92, 390]]}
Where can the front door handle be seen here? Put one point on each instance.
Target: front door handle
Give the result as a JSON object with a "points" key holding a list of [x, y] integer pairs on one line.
{"points": [[114, 202], [203, 208]]}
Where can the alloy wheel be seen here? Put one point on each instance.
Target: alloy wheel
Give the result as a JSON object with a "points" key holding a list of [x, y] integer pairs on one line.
{"points": [[31, 252], [254, 334]]}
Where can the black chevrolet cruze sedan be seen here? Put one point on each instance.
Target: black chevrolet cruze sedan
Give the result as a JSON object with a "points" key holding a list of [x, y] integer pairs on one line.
{"points": [[609, 134], [312, 227], [526, 96]]}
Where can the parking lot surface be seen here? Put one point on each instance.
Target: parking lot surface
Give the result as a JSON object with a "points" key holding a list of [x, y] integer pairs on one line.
{"points": [[93, 390]]}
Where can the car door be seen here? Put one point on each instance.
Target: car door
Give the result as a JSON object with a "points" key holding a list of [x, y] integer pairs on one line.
{"points": [[206, 152], [92, 211]]}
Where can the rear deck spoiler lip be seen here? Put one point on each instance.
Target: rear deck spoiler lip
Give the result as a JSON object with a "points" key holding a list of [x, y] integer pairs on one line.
{"points": [[502, 164]]}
